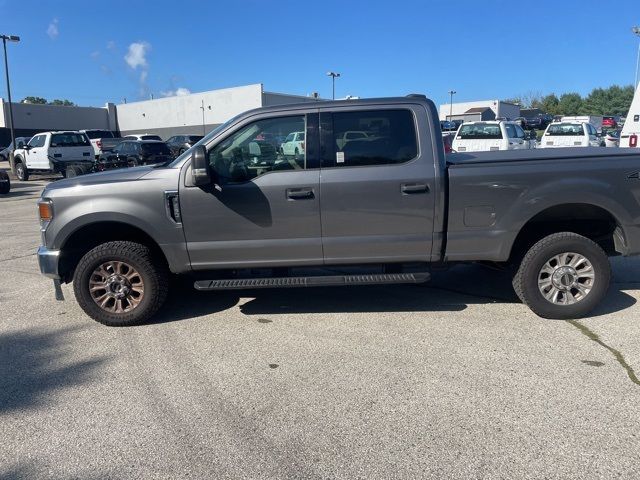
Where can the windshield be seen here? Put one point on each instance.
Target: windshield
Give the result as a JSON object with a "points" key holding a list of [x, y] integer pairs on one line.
{"points": [[195, 138], [99, 134], [565, 129], [156, 148], [69, 140], [480, 131], [150, 137]]}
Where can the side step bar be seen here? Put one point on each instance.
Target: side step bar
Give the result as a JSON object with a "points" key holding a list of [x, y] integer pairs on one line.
{"points": [[319, 281]]}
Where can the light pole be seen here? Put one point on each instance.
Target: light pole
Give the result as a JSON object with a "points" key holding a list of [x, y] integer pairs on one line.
{"points": [[451, 94], [333, 76], [636, 31], [10, 38]]}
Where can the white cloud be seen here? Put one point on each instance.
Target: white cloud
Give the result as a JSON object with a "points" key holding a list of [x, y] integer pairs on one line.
{"points": [[137, 55], [136, 58], [178, 92], [95, 54], [111, 45], [52, 30]]}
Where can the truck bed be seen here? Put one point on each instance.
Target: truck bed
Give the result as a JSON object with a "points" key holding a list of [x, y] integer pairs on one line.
{"points": [[492, 195]]}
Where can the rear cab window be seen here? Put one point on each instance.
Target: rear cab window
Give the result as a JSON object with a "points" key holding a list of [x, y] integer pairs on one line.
{"points": [[93, 134], [565, 130], [69, 139], [480, 131]]}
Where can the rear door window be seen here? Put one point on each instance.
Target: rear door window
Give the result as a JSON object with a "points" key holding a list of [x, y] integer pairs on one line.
{"points": [[388, 137]]}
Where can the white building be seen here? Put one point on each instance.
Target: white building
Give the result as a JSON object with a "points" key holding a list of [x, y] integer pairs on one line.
{"points": [[481, 110], [190, 114]]}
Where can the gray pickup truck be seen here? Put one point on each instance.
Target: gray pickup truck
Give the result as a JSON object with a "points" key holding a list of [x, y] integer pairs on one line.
{"points": [[237, 210]]}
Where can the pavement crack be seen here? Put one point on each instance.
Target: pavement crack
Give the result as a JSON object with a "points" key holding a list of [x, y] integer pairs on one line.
{"points": [[17, 257], [591, 335]]}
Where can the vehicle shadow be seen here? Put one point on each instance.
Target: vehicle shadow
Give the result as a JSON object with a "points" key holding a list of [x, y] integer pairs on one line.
{"points": [[449, 290], [33, 365]]}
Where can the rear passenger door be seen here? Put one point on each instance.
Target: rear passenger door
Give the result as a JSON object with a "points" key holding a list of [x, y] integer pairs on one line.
{"points": [[377, 201]]}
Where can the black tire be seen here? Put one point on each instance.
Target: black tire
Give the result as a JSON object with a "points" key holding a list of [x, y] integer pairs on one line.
{"points": [[21, 171], [153, 273], [71, 172], [525, 281], [5, 183]]}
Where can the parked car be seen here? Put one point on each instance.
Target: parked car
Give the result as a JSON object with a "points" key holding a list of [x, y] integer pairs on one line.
{"points": [[142, 136], [612, 138], [101, 140], [447, 140], [570, 134], [447, 126], [53, 152], [5, 183], [610, 122], [293, 145], [178, 144], [490, 135], [20, 141], [393, 207], [137, 152]]}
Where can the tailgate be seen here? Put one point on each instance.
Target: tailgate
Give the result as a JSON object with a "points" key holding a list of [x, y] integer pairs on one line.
{"points": [[67, 154]]}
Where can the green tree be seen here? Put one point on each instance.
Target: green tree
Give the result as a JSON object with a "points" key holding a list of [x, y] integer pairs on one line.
{"points": [[36, 100], [66, 103], [570, 104], [549, 104]]}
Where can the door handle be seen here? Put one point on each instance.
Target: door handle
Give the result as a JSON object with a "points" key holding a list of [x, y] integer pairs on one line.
{"points": [[409, 188], [300, 193]]}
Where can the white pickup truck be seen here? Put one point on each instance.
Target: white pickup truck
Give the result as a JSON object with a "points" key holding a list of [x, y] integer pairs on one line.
{"points": [[491, 135], [53, 152]]}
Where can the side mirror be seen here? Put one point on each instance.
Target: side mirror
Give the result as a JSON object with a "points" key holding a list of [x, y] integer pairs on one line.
{"points": [[200, 170]]}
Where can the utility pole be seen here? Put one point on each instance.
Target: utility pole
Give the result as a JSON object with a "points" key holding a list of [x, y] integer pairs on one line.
{"points": [[451, 94], [333, 76], [10, 38]]}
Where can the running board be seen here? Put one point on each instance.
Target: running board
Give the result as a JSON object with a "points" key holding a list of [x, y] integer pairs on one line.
{"points": [[319, 281]]}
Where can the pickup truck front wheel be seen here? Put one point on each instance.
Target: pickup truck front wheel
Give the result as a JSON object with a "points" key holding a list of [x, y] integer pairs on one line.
{"points": [[563, 276], [120, 283], [21, 171]]}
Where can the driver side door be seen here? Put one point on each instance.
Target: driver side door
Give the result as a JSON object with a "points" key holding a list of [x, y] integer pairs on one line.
{"points": [[37, 158], [263, 209]]}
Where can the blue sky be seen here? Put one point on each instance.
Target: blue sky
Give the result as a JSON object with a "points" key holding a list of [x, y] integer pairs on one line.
{"points": [[483, 49]]}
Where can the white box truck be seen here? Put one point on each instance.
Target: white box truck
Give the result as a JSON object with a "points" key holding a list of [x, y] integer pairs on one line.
{"points": [[595, 120], [630, 135]]}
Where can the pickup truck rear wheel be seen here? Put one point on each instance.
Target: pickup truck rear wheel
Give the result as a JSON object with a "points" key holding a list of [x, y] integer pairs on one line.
{"points": [[563, 276], [120, 283], [21, 171]]}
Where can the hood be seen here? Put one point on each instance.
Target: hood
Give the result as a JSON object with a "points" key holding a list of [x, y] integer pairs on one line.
{"points": [[110, 176]]}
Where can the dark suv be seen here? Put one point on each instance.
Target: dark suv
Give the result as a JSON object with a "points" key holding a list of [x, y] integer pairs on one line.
{"points": [[137, 152], [178, 144]]}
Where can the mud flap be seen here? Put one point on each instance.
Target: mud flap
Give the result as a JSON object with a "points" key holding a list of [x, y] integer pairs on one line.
{"points": [[58, 290]]}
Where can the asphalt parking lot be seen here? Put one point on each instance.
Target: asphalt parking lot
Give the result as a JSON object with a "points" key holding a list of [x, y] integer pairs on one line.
{"points": [[451, 379]]}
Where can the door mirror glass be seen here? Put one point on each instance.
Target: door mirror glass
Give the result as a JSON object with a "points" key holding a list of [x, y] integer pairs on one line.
{"points": [[200, 171]]}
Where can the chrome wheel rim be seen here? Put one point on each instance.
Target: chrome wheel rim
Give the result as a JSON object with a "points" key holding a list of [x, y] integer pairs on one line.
{"points": [[116, 287], [566, 278]]}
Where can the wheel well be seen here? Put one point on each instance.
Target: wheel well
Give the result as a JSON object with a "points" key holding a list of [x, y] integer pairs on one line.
{"points": [[587, 220], [94, 234]]}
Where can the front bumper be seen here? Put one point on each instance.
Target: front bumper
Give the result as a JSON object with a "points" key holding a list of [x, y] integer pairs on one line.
{"points": [[48, 261]]}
